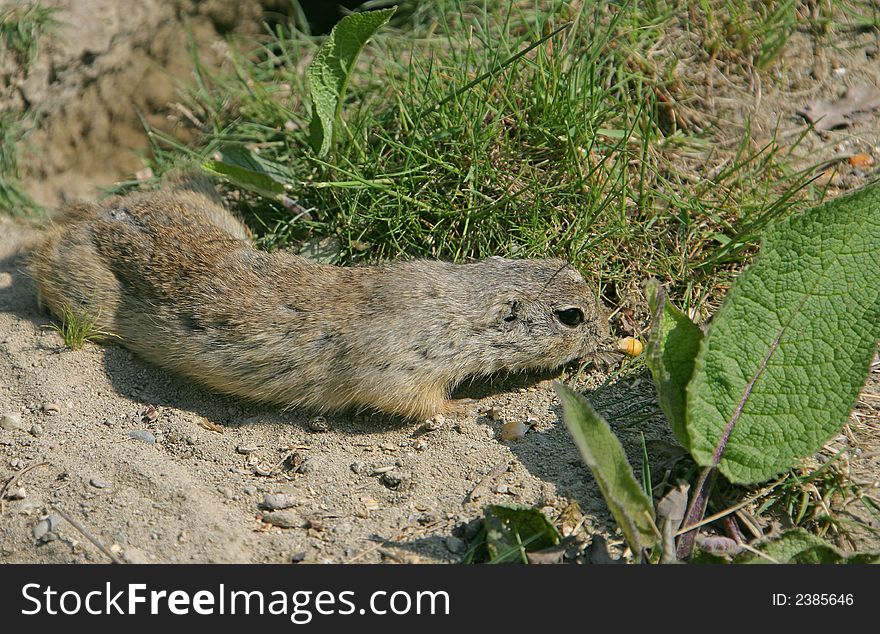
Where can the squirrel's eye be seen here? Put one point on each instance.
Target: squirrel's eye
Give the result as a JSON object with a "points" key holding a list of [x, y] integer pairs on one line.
{"points": [[570, 317]]}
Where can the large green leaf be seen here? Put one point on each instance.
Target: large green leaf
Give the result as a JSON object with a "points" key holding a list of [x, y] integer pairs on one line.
{"points": [[604, 455], [671, 352], [789, 350], [330, 69]]}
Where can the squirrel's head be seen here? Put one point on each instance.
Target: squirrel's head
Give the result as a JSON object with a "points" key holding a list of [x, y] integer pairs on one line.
{"points": [[542, 315]]}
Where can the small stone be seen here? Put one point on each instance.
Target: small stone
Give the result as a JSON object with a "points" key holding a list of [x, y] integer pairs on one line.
{"points": [[501, 488], [473, 528], [492, 413], [15, 463], [263, 470], [108, 422], [135, 556], [434, 423], [319, 424], [51, 408], [36, 430], [246, 449], [17, 494], [297, 557], [455, 545], [100, 484], [356, 467], [142, 435], [514, 430], [45, 526], [11, 422], [284, 519], [226, 492], [391, 480], [383, 469], [278, 501]]}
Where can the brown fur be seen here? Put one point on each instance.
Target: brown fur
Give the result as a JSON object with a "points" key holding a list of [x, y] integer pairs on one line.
{"points": [[173, 274]]}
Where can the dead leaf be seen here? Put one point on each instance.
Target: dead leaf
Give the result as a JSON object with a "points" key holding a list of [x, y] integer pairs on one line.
{"points": [[843, 112], [150, 414], [861, 160], [214, 427]]}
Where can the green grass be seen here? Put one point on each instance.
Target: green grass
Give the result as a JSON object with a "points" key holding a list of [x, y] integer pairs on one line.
{"points": [[455, 147], [20, 30], [76, 329], [12, 197]]}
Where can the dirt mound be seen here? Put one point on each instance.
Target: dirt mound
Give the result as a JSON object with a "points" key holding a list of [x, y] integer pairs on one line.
{"points": [[103, 68]]}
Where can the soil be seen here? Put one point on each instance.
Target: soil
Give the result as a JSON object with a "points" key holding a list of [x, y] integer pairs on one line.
{"points": [[158, 470]]}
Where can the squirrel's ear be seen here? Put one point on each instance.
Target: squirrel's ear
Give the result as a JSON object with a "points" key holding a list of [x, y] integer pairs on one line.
{"points": [[503, 313]]}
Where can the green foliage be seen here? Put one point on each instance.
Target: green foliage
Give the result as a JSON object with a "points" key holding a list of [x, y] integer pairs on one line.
{"points": [[76, 329], [12, 197], [330, 70], [800, 547], [513, 531], [671, 351], [777, 374], [246, 170], [21, 28], [789, 350], [603, 454]]}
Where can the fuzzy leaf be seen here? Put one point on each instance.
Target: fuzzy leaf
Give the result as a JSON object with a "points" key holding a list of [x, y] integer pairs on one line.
{"points": [[800, 547], [604, 455], [789, 350], [245, 169], [330, 69], [671, 352], [511, 531]]}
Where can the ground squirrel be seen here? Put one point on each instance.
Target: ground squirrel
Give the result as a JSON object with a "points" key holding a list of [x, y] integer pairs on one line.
{"points": [[173, 274]]}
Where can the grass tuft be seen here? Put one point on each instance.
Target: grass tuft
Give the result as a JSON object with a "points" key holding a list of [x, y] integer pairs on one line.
{"points": [[76, 329]]}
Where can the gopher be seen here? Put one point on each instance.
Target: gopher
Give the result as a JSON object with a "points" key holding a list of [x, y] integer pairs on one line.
{"points": [[173, 274]]}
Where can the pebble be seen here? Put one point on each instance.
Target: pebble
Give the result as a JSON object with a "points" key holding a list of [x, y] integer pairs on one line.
{"points": [[514, 430], [17, 494], [135, 556], [264, 470], [250, 490], [473, 528], [51, 408], [284, 519], [36, 430], [278, 501], [245, 449], [434, 423], [455, 545], [143, 435], [11, 422], [391, 480], [319, 424], [383, 469], [226, 492], [356, 467], [100, 484], [45, 526]]}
